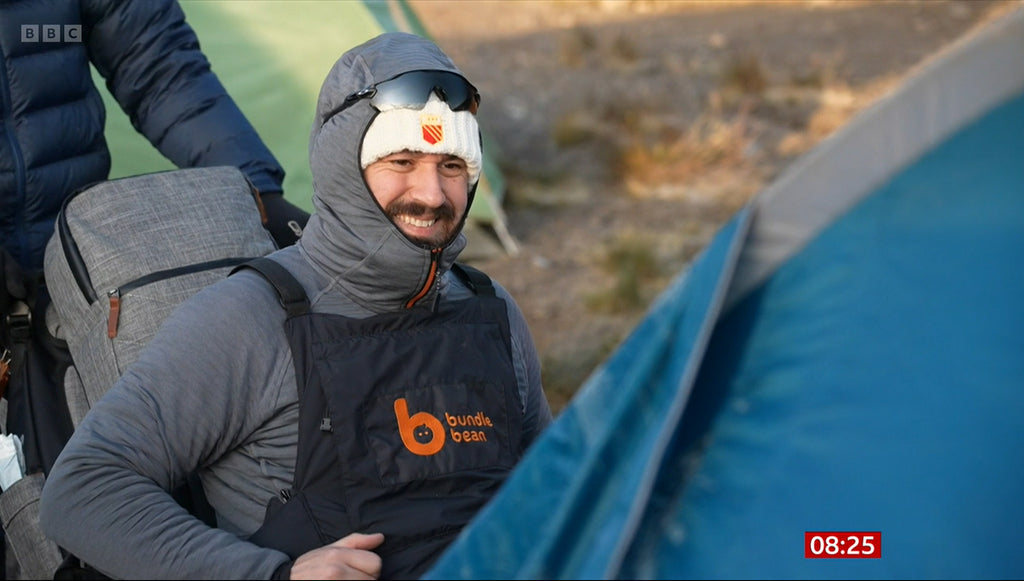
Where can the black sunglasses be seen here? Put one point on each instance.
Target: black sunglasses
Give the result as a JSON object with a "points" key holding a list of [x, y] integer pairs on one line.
{"points": [[412, 90]]}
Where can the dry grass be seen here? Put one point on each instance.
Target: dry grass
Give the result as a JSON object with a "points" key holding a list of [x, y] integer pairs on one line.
{"points": [[711, 142], [745, 74], [631, 266]]}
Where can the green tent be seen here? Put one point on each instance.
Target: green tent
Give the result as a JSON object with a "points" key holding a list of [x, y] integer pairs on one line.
{"points": [[272, 55]]}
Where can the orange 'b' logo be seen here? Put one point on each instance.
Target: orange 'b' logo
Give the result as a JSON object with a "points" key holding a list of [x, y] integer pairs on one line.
{"points": [[422, 433]]}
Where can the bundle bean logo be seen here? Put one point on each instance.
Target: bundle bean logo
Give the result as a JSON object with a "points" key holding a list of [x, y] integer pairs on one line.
{"points": [[424, 435]]}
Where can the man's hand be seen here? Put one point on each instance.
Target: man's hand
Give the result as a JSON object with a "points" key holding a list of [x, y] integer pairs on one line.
{"points": [[350, 557]]}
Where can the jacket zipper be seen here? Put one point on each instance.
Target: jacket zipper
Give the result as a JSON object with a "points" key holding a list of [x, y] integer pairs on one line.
{"points": [[435, 258]]}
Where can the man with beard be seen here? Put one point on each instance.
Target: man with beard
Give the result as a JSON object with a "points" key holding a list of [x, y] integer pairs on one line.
{"points": [[353, 434]]}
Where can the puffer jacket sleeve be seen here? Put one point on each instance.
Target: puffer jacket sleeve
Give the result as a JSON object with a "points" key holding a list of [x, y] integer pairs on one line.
{"points": [[154, 67]]}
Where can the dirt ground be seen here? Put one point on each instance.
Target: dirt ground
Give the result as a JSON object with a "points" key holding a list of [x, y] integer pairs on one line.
{"points": [[629, 131]]}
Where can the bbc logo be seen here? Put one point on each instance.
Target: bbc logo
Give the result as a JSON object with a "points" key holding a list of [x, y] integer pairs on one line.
{"points": [[51, 33]]}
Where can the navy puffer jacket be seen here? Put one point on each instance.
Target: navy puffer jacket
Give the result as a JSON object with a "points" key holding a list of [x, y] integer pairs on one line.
{"points": [[52, 116]]}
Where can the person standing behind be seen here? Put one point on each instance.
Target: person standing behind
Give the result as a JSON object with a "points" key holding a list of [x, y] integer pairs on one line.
{"points": [[420, 391], [52, 144]]}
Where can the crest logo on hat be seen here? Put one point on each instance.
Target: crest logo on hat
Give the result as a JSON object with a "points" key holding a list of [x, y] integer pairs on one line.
{"points": [[433, 132]]}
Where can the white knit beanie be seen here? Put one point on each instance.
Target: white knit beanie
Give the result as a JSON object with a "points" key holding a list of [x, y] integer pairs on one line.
{"points": [[433, 129]]}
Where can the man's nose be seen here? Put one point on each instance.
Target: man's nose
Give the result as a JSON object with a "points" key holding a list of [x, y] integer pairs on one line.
{"points": [[427, 186]]}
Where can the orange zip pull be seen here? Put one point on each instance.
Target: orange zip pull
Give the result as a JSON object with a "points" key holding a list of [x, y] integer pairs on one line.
{"points": [[115, 313], [435, 255]]}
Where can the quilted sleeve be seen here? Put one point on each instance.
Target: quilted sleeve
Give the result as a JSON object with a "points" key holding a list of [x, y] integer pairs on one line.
{"points": [[152, 63]]}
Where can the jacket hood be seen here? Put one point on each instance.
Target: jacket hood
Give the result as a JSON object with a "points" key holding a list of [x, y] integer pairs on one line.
{"points": [[349, 238]]}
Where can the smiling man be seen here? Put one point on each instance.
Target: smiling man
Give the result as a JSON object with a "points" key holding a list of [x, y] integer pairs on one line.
{"points": [[421, 163], [423, 194], [355, 436]]}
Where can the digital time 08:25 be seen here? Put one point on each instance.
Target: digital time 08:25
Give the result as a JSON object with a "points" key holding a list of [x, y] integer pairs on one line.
{"points": [[843, 545]]}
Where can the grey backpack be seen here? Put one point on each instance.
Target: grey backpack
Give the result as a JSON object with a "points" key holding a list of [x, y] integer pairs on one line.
{"points": [[126, 252], [123, 255]]}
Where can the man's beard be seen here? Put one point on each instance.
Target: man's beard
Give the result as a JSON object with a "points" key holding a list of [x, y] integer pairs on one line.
{"points": [[444, 216]]}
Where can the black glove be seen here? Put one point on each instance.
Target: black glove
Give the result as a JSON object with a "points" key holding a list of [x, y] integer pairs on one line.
{"points": [[285, 220]]}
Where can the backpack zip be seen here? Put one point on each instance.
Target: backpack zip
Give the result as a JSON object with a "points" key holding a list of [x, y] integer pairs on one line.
{"points": [[72, 254], [114, 294]]}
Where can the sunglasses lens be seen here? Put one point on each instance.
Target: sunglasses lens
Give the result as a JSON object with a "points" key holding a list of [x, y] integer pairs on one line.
{"points": [[413, 89]]}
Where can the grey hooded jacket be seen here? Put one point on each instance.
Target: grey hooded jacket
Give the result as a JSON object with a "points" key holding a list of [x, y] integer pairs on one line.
{"points": [[215, 389]]}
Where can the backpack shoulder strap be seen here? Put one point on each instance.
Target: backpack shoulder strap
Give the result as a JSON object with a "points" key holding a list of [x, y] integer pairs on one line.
{"points": [[290, 293], [475, 279], [293, 297]]}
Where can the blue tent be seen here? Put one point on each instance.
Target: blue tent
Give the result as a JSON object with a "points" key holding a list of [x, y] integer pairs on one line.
{"points": [[847, 355]]}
